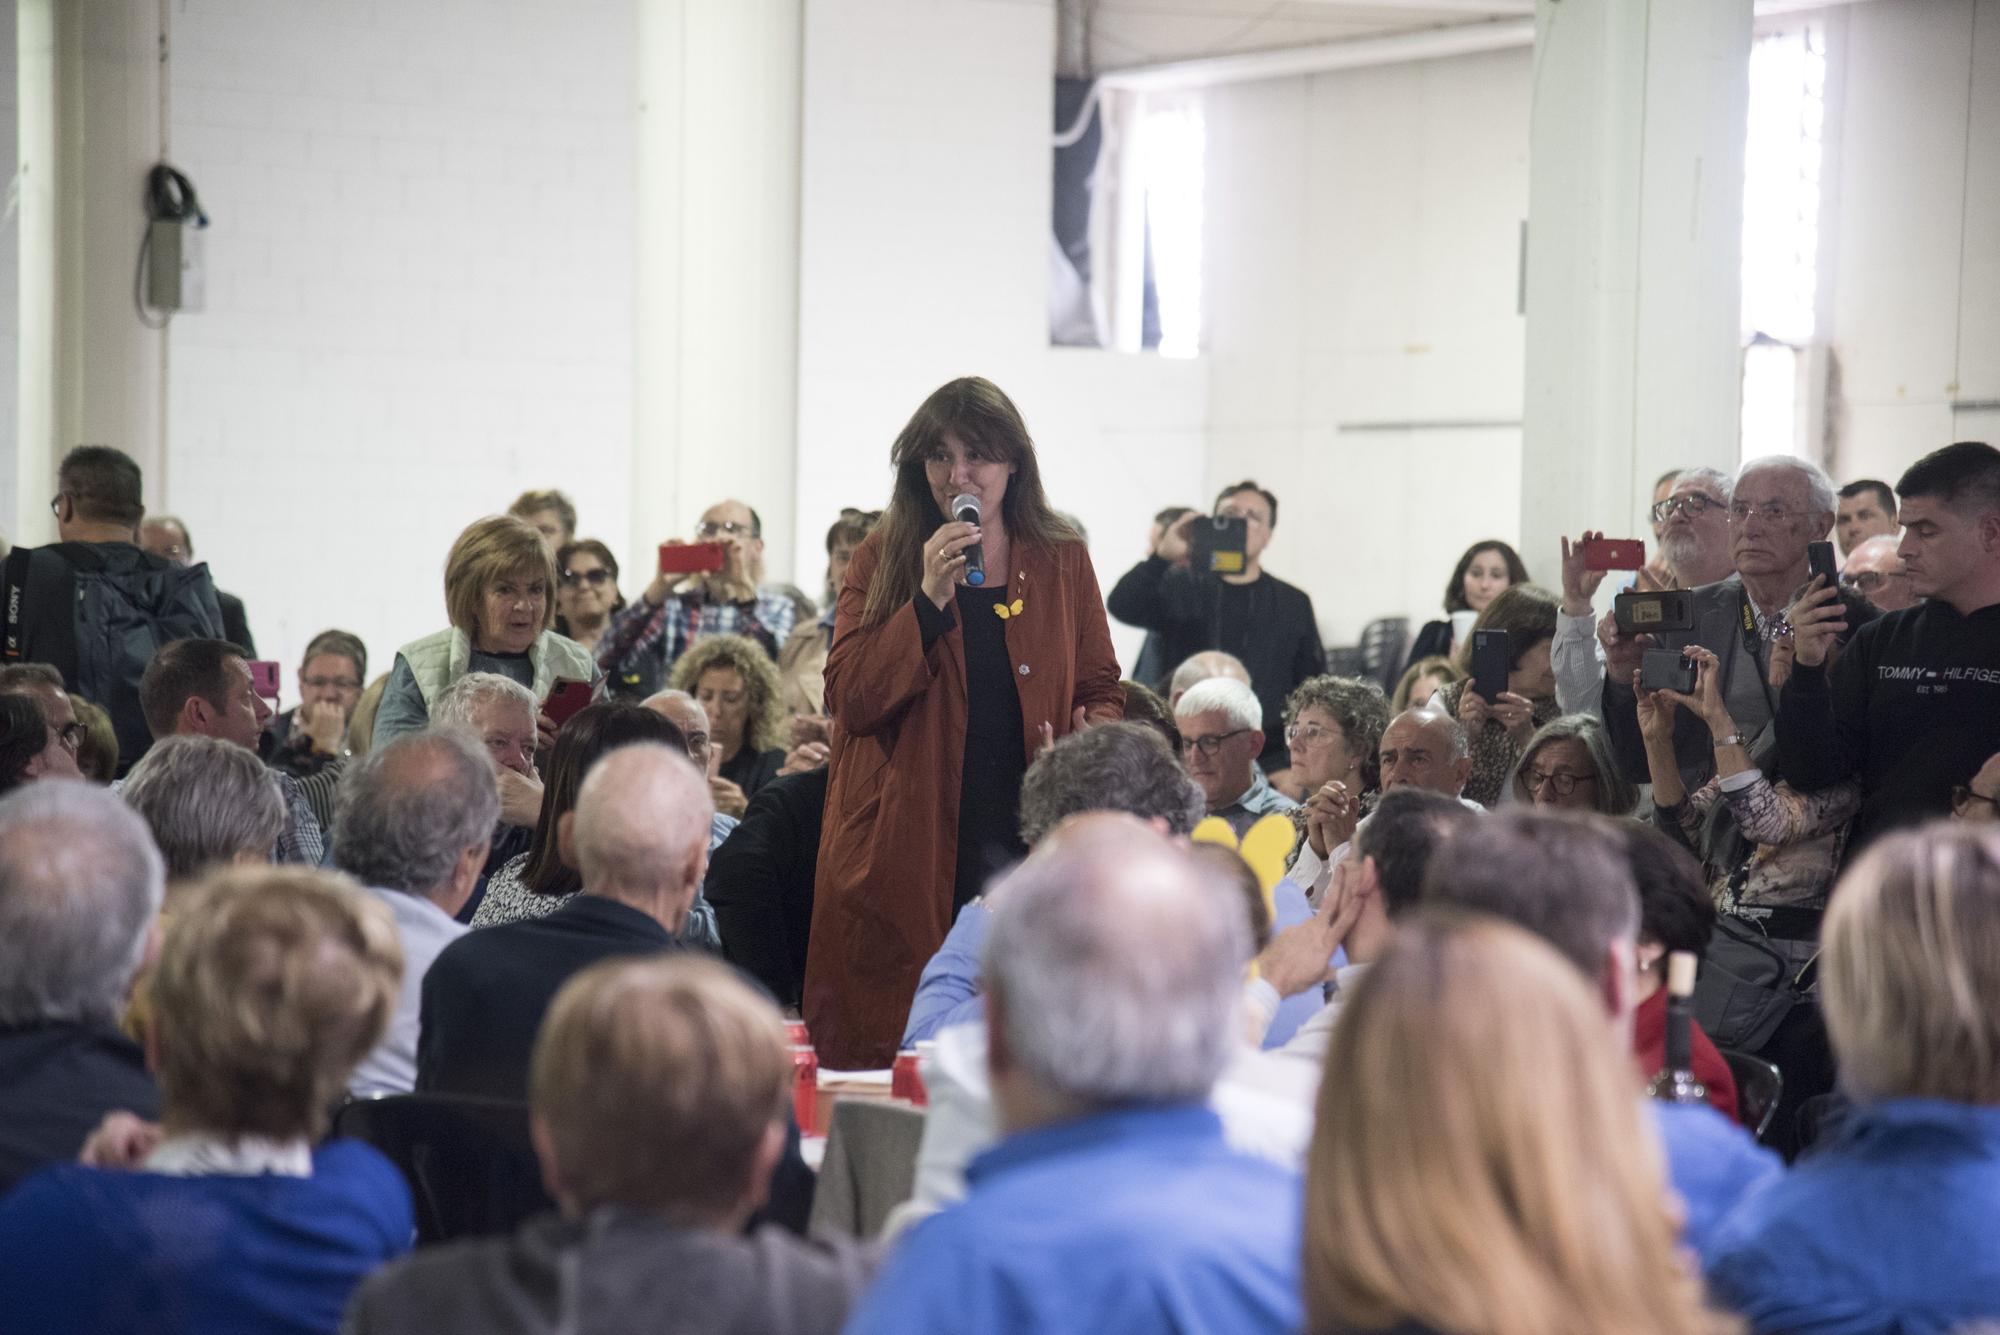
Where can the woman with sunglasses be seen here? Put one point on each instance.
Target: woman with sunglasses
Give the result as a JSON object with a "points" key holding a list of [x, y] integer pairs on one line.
{"points": [[586, 591]]}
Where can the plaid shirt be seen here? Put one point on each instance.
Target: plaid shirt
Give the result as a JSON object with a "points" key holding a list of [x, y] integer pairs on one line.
{"points": [[643, 641]]}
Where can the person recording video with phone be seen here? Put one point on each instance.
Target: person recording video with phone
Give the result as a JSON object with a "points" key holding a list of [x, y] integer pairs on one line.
{"points": [[969, 634], [692, 597], [1510, 696], [1195, 593]]}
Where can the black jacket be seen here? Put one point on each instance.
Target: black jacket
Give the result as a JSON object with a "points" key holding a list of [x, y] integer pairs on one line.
{"points": [[235, 622], [56, 1083], [1911, 707], [761, 882], [1277, 635]]}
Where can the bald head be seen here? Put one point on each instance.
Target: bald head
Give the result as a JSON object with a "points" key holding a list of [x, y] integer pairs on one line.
{"points": [[1205, 666], [1425, 748], [684, 712], [639, 833], [1876, 572]]}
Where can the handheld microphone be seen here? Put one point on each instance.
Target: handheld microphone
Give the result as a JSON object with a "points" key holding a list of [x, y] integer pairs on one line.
{"points": [[965, 509]]}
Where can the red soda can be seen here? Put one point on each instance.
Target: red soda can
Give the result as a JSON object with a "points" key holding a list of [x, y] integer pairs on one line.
{"points": [[906, 1081], [797, 1031], [805, 1088]]}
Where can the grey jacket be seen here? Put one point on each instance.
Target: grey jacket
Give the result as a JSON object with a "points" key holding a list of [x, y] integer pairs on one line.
{"points": [[614, 1272]]}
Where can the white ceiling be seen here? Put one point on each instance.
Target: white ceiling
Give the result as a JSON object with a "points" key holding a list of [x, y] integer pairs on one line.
{"points": [[1124, 33]]}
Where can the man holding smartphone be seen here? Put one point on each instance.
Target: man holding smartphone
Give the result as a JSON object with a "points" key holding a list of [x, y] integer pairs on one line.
{"points": [[1262, 620], [643, 641]]}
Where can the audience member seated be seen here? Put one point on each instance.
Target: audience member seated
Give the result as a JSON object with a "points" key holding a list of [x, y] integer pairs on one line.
{"points": [[647, 639], [1889, 1225], [1420, 681], [1483, 573], [1144, 705], [1221, 727], [80, 885], [415, 820], [802, 661], [639, 837], [229, 1215], [1977, 800], [312, 736], [1568, 764], [1867, 509], [91, 579], [736, 685], [660, 1090], [1676, 916], [1333, 727], [1113, 1202], [44, 739], [685, 712], [1566, 877], [760, 882], [202, 688], [587, 594], [1198, 668], [1455, 1193], [97, 747], [1913, 705], [550, 513], [165, 536], [1265, 623], [1499, 730], [540, 880], [501, 714], [24, 737], [1875, 571], [499, 586], [210, 804]]}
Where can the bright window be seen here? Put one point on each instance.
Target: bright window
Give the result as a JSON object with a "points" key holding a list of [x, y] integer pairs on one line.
{"points": [[1173, 144]]}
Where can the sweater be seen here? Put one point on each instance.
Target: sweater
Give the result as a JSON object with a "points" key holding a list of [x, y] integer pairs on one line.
{"points": [[99, 1252]]}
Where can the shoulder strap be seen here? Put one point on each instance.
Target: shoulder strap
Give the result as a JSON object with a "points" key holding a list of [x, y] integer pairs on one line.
{"points": [[17, 585]]}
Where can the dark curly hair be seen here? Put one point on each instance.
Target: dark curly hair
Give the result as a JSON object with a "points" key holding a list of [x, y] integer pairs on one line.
{"points": [[1358, 706]]}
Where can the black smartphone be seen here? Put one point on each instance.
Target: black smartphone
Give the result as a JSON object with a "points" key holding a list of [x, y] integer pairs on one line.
{"points": [[1667, 670], [1219, 545], [1492, 660], [1819, 561], [1658, 610]]}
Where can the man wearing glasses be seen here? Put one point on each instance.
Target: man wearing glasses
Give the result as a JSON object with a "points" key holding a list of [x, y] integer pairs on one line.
{"points": [[645, 639], [43, 684], [309, 741], [1876, 572], [1220, 737]]}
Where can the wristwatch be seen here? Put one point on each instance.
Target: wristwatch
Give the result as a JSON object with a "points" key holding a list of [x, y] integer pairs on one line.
{"points": [[1733, 739]]}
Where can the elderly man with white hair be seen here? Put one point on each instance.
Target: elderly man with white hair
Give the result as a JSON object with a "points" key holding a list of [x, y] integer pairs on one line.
{"points": [[1779, 506], [1222, 732], [80, 888], [639, 839], [500, 714], [1113, 1202]]}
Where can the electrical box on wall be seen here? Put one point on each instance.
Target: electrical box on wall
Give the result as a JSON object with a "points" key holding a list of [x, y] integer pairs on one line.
{"points": [[174, 278]]}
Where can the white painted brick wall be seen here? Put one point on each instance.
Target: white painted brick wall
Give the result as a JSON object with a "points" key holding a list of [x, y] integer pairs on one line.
{"points": [[419, 293], [10, 269]]}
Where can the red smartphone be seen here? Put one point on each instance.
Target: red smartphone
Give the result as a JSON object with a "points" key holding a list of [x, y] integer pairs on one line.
{"points": [[566, 697], [1614, 554], [264, 677], [691, 558]]}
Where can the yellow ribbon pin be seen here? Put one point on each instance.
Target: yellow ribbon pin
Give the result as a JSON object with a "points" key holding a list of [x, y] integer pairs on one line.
{"points": [[1004, 610]]}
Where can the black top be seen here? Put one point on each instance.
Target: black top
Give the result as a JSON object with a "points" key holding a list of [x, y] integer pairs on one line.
{"points": [[989, 791], [56, 1083], [1267, 623], [761, 882], [235, 622], [1433, 641], [750, 769]]}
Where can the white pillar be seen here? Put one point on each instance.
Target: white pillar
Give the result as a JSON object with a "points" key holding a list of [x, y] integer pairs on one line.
{"points": [[716, 344], [91, 126], [1635, 216]]}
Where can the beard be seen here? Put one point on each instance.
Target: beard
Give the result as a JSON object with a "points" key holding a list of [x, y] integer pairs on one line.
{"points": [[1679, 546]]}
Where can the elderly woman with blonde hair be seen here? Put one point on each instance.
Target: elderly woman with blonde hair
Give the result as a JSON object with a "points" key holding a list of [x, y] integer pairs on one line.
{"points": [[1455, 1194], [499, 593], [1890, 1225], [232, 1213]]}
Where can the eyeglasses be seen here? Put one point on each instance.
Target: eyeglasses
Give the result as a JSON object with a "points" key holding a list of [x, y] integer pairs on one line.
{"points": [[1694, 503], [1208, 746], [330, 683], [1962, 798], [1312, 734], [1563, 782], [1770, 512], [709, 528], [572, 578], [1870, 581], [71, 737]]}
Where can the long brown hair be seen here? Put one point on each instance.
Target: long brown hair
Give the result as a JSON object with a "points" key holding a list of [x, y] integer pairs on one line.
{"points": [[1445, 1185], [985, 420]]}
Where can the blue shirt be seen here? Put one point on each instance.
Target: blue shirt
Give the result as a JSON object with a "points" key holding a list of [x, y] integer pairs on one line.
{"points": [[1140, 1220], [1891, 1227], [101, 1253], [1712, 1163]]}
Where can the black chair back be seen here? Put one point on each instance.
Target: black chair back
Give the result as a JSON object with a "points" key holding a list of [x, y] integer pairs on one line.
{"points": [[1759, 1085], [1382, 645], [469, 1161]]}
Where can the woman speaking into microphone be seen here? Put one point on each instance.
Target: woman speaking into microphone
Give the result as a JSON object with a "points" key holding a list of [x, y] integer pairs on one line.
{"points": [[960, 647]]}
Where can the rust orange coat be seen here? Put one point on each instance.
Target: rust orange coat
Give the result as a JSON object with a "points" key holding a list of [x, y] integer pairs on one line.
{"points": [[888, 845]]}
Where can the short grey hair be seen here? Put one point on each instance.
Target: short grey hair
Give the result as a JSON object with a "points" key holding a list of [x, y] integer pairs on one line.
{"points": [[1209, 663], [206, 801], [405, 812], [1222, 695], [1818, 484], [1713, 478], [1615, 794], [80, 885], [459, 704], [1457, 743], [1111, 767], [1115, 962]]}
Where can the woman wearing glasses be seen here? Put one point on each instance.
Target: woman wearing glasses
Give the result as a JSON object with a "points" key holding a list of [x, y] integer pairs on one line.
{"points": [[941, 687], [586, 591]]}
